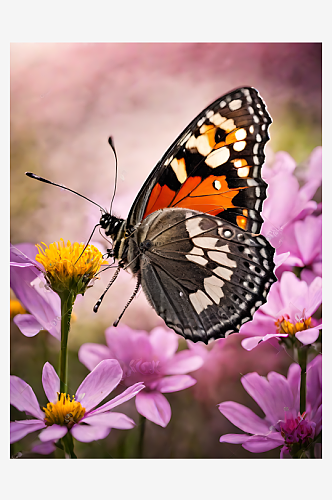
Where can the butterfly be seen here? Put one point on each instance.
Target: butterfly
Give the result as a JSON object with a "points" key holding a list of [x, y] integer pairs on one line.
{"points": [[192, 234]]}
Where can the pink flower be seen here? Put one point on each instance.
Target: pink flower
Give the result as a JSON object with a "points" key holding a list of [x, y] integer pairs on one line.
{"points": [[279, 398], [290, 305], [148, 358], [303, 239], [28, 283], [312, 176], [64, 414], [286, 201]]}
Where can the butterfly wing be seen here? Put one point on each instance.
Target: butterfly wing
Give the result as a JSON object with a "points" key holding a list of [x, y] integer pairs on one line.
{"points": [[214, 166], [203, 275]]}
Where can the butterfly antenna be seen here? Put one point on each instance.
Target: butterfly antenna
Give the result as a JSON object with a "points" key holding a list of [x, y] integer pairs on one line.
{"points": [[87, 242], [110, 142], [137, 287], [41, 179]]}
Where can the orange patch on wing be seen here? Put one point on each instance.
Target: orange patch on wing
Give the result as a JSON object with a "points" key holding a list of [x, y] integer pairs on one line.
{"points": [[203, 196], [160, 197], [196, 194], [241, 221]]}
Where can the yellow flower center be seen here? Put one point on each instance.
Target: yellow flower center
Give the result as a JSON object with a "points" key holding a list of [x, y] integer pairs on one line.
{"points": [[16, 308], [66, 411], [285, 326], [67, 268]]}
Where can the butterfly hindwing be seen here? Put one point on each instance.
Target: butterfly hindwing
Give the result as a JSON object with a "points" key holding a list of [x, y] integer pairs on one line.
{"points": [[214, 166], [204, 276]]}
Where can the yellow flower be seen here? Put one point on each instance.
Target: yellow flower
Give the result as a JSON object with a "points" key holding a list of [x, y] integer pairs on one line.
{"points": [[67, 269], [66, 411]]}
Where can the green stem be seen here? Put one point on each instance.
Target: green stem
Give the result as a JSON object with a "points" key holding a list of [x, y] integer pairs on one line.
{"points": [[302, 355], [142, 421], [68, 446], [67, 301]]}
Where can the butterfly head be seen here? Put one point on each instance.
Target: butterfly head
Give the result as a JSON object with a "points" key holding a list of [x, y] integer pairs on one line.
{"points": [[110, 224]]}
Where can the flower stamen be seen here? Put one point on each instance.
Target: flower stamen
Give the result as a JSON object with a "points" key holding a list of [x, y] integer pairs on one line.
{"points": [[66, 411], [285, 326]]}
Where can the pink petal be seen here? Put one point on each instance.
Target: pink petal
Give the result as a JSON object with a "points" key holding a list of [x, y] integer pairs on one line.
{"points": [[308, 336], [182, 362], [110, 419], [308, 233], [99, 383], [88, 433], [51, 382], [53, 433], [280, 259], [23, 398], [118, 400], [44, 448], [164, 343], [282, 394], [127, 345], [28, 324], [290, 288], [234, 438], [92, 354], [174, 383], [251, 342], [308, 276], [244, 418], [259, 389], [27, 249], [154, 406], [21, 428], [259, 444], [28, 284]]}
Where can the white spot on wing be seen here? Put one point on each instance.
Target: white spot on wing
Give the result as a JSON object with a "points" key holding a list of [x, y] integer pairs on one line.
{"points": [[206, 242], [223, 272], [234, 105], [212, 287], [240, 134], [228, 125], [179, 168], [217, 157], [217, 119], [222, 258], [199, 301], [239, 146], [192, 226], [196, 259], [243, 172], [200, 122]]}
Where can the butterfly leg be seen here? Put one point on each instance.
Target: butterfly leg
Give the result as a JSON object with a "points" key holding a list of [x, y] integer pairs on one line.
{"points": [[137, 287], [115, 275]]}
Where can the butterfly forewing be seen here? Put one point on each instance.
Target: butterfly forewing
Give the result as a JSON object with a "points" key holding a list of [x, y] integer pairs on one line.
{"points": [[204, 276], [214, 166]]}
